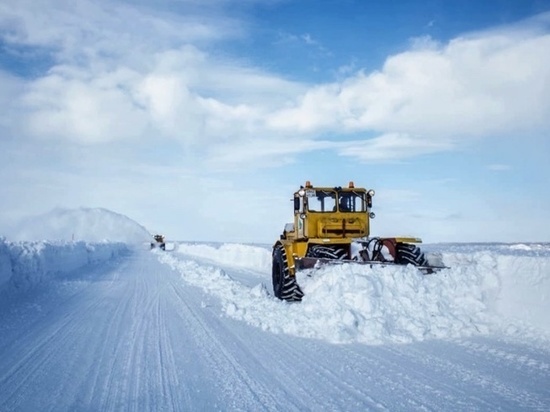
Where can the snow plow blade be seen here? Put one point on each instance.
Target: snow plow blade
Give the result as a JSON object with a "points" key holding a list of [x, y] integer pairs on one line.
{"points": [[315, 263]]}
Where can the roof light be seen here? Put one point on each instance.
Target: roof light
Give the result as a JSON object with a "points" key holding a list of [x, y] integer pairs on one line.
{"points": [[308, 183], [351, 185]]}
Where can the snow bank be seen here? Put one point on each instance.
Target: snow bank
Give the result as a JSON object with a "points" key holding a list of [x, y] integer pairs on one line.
{"points": [[523, 273], [26, 264], [84, 224], [488, 289], [238, 255]]}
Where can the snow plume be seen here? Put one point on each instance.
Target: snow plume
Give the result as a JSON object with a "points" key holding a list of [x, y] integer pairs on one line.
{"points": [[27, 264], [83, 224], [488, 289]]}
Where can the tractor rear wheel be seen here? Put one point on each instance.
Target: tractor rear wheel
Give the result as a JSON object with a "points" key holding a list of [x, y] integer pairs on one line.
{"points": [[407, 253], [285, 286]]}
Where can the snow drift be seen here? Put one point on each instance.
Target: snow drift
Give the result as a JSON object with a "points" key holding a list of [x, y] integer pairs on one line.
{"points": [[488, 289]]}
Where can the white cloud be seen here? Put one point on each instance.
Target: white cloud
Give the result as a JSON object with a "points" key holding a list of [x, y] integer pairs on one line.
{"points": [[11, 88], [104, 28], [72, 105], [112, 80], [490, 83]]}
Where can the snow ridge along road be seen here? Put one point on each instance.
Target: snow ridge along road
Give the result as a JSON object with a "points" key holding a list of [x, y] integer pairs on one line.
{"points": [[178, 332]]}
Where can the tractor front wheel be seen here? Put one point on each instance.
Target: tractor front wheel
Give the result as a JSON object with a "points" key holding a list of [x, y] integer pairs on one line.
{"points": [[285, 286]]}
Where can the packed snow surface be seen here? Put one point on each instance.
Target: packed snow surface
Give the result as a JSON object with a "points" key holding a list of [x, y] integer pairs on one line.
{"points": [[88, 325]]}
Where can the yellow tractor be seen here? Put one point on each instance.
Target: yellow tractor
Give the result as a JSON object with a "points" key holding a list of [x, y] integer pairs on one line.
{"points": [[159, 242], [332, 225]]}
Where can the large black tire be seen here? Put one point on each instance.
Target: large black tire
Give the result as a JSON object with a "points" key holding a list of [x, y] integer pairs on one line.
{"points": [[285, 286], [326, 252], [410, 254]]}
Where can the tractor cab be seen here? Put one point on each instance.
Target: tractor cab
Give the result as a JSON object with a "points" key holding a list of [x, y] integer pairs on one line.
{"points": [[328, 200], [324, 212]]}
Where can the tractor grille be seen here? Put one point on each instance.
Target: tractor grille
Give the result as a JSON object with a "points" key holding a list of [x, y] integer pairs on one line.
{"points": [[340, 228]]}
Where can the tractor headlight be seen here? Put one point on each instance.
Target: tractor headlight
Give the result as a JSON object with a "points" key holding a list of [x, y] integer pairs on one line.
{"points": [[372, 215], [370, 193], [301, 192]]}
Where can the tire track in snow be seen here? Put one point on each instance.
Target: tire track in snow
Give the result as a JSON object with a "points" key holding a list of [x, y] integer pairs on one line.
{"points": [[100, 375], [265, 357], [137, 363], [335, 391], [234, 378], [295, 362], [414, 387], [115, 387], [526, 360], [290, 373], [169, 379], [110, 345], [136, 369], [478, 383], [46, 344], [148, 374]]}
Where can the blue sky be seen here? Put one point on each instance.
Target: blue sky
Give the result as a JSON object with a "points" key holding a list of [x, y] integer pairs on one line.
{"points": [[199, 119]]}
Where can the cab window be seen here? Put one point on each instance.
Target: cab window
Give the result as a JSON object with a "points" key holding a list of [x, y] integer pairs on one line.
{"points": [[351, 202], [321, 201]]}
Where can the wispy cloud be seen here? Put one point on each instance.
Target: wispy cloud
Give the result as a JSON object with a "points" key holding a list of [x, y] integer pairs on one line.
{"points": [[305, 42], [498, 167], [393, 147], [308, 39]]}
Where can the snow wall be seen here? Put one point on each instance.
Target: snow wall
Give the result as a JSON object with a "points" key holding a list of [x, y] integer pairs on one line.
{"points": [[520, 273], [26, 264]]}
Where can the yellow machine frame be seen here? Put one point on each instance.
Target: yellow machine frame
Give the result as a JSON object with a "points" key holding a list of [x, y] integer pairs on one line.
{"points": [[329, 227]]}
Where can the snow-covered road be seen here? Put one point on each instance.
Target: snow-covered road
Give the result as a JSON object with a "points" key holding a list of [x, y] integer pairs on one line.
{"points": [[135, 334]]}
